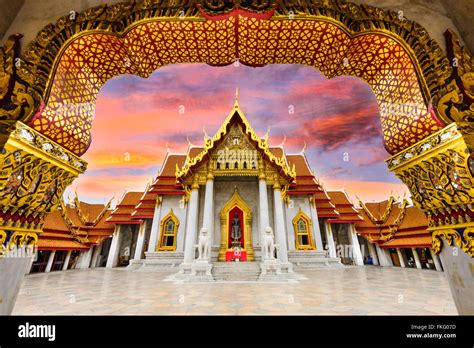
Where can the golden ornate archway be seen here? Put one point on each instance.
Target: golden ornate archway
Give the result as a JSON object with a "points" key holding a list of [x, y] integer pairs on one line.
{"points": [[48, 92], [236, 202]]}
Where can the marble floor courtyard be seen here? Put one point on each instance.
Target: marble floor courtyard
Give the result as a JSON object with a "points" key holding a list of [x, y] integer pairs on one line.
{"points": [[352, 290]]}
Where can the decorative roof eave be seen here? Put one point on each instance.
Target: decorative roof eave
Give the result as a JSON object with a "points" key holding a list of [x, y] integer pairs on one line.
{"points": [[102, 213], [401, 216], [262, 144], [342, 221], [384, 217], [77, 204]]}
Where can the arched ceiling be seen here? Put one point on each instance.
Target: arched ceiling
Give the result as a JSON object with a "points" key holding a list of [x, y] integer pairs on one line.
{"points": [[90, 60]]}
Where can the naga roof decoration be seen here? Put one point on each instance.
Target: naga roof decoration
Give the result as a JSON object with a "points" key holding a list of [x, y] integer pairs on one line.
{"points": [[403, 226], [381, 217], [261, 144], [82, 230]]}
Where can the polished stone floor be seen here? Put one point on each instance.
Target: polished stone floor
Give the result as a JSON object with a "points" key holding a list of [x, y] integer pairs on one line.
{"points": [[352, 290]]}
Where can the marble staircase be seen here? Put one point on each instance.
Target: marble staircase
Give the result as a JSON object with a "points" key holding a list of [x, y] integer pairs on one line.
{"points": [[309, 259], [236, 271], [159, 261]]}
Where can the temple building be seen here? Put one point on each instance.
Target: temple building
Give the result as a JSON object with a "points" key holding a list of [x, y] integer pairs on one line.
{"points": [[397, 235], [234, 186], [237, 188], [74, 237]]}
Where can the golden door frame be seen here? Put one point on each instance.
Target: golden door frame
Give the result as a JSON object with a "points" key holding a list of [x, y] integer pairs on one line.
{"points": [[236, 201]]}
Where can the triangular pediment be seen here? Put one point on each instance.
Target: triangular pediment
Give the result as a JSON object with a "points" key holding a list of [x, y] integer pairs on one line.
{"points": [[236, 134]]}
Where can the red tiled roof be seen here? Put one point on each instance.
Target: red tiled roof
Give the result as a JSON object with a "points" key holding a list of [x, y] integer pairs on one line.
{"points": [[122, 214], [346, 210]]}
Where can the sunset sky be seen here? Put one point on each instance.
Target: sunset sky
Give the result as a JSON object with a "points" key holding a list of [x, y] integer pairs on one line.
{"points": [[137, 118]]}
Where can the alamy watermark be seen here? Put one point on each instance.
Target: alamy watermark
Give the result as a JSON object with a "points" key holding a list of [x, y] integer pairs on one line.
{"points": [[237, 159]]}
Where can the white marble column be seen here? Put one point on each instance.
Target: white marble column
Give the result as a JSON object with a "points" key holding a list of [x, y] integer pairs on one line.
{"points": [[49, 265], [417, 258], [95, 255], [263, 206], [86, 258], [436, 260], [373, 254], [66, 261], [330, 240], [356, 252], [280, 226], [191, 224], [400, 257], [137, 255], [33, 259], [155, 226], [316, 230], [208, 218], [112, 258], [384, 257]]}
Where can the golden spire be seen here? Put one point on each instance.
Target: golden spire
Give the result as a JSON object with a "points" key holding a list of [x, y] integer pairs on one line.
{"points": [[267, 134]]}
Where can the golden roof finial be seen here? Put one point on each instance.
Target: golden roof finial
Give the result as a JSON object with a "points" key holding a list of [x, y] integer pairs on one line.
{"points": [[267, 134], [304, 148]]}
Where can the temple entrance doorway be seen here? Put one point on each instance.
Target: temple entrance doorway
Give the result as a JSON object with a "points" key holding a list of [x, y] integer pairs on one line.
{"points": [[236, 230]]}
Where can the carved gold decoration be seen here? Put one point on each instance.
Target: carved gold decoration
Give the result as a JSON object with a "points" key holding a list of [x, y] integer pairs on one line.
{"points": [[33, 176], [235, 139], [18, 100], [223, 8], [138, 37], [236, 201], [455, 100], [3, 237], [439, 173], [21, 238], [385, 215], [453, 238]]}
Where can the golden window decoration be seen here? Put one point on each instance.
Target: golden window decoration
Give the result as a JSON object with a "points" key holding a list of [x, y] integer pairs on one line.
{"points": [[303, 236], [168, 232]]}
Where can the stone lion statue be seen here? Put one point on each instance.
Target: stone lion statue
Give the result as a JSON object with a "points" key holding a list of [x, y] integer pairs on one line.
{"points": [[268, 244], [203, 244]]}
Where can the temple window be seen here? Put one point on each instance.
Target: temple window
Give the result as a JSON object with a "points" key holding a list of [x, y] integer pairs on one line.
{"points": [[245, 165], [169, 231], [236, 165], [303, 238]]}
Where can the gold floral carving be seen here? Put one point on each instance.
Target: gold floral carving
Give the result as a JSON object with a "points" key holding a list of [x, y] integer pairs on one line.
{"points": [[246, 135], [453, 238], [34, 173], [18, 99], [455, 99]]}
